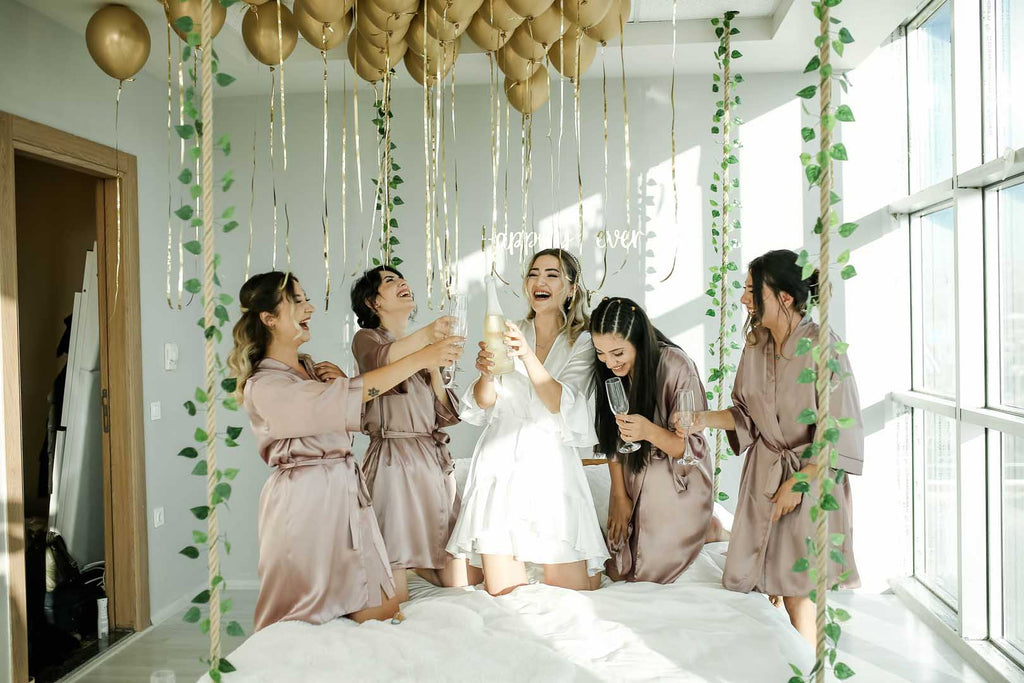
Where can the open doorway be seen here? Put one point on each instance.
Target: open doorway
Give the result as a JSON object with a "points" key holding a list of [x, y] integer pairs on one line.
{"points": [[71, 399]]}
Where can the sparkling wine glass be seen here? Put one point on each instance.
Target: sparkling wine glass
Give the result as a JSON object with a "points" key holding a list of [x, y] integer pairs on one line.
{"points": [[457, 309], [619, 403], [686, 405]]}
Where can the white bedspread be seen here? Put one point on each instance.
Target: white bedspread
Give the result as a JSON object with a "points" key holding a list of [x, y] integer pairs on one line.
{"points": [[692, 630]]}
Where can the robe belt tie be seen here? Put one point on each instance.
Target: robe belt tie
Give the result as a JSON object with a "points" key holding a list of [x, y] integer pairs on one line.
{"points": [[357, 488]]}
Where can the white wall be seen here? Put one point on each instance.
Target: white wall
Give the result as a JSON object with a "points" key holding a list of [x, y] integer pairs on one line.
{"points": [[48, 77]]}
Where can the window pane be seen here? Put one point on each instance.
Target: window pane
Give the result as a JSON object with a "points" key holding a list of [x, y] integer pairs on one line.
{"points": [[929, 66], [1011, 295], [938, 500], [936, 301], [1010, 73], [1013, 548]]}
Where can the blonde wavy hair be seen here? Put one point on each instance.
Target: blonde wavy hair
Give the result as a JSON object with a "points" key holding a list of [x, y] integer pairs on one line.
{"points": [[574, 310], [261, 293]]}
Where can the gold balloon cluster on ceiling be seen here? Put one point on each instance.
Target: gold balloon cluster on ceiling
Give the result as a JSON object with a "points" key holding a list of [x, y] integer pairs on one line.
{"points": [[426, 36]]}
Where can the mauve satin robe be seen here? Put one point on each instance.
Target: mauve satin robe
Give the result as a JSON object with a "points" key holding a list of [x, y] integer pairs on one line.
{"points": [[407, 467], [672, 503], [321, 554], [767, 401]]}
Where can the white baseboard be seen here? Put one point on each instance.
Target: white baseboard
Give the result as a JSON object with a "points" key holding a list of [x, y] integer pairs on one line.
{"points": [[180, 605]]}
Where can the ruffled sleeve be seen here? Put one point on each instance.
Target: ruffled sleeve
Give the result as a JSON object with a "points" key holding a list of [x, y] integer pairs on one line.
{"points": [[291, 409], [576, 407]]}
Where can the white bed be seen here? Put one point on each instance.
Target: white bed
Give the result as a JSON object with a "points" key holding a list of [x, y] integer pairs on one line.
{"points": [[692, 630]]}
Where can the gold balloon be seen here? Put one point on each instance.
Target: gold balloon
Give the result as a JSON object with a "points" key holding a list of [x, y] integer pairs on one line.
{"points": [[424, 44], [318, 34], [441, 29], [372, 21], [419, 70], [549, 26], [563, 53], [455, 11], [529, 8], [382, 38], [612, 24], [118, 41], [486, 36], [328, 11], [498, 14], [586, 13], [259, 31], [364, 69], [379, 57], [393, 6], [525, 46], [175, 9], [513, 65], [530, 95]]}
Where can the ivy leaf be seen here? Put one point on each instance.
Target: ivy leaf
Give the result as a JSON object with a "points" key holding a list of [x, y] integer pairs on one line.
{"points": [[193, 285], [803, 346], [221, 313], [838, 152], [189, 551], [200, 512], [229, 384], [224, 80], [838, 46], [812, 65], [832, 435], [807, 134], [230, 225], [190, 408], [230, 403], [201, 436], [846, 422], [185, 130], [801, 565], [801, 487], [188, 452], [194, 39], [844, 113], [836, 539], [235, 629], [841, 614], [185, 177], [192, 615], [843, 257], [201, 395], [200, 469], [202, 598], [224, 666], [847, 229], [228, 213], [230, 473], [185, 212], [829, 121], [848, 272], [807, 417], [833, 631], [808, 92], [813, 172], [845, 36], [828, 502], [398, 201], [234, 432], [722, 495], [807, 376], [223, 490]]}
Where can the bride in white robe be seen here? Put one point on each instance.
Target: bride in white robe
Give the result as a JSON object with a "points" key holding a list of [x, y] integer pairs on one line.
{"points": [[526, 497]]}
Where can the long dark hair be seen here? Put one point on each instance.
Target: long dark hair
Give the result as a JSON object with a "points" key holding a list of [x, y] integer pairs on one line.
{"points": [[627, 319], [365, 290], [778, 270], [260, 294]]}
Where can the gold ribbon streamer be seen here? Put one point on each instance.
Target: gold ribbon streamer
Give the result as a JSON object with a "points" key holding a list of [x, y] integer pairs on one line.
{"points": [[455, 176], [170, 183], [273, 167], [355, 120], [117, 187], [576, 126], [604, 102], [252, 198], [625, 122], [280, 63], [428, 237], [386, 170], [181, 162], [344, 155], [323, 187], [675, 188]]}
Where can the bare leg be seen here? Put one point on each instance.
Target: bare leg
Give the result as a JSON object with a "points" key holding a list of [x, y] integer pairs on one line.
{"points": [[803, 616], [388, 608], [502, 573], [458, 572], [595, 581], [568, 575], [716, 532], [429, 575]]}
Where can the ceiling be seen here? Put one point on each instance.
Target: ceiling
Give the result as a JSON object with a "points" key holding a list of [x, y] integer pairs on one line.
{"points": [[775, 35]]}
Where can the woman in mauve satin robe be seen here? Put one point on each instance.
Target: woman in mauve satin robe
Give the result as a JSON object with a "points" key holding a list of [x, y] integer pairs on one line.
{"points": [[409, 472], [321, 553], [772, 521], [660, 509]]}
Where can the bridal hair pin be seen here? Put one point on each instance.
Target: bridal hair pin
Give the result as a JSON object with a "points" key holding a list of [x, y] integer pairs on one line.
{"points": [[243, 309]]}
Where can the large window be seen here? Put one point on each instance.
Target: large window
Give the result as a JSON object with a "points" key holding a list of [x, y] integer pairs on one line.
{"points": [[1010, 249], [934, 303], [935, 492], [1009, 19], [930, 99], [1013, 540]]}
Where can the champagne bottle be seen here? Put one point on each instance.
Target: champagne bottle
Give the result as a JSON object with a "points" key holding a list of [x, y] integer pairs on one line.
{"points": [[494, 331]]}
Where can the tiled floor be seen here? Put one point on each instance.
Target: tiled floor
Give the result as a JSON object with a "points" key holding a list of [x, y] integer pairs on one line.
{"points": [[884, 642]]}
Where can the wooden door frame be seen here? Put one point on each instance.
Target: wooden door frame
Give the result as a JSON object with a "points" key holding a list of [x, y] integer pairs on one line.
{"points": [[124, 480]]}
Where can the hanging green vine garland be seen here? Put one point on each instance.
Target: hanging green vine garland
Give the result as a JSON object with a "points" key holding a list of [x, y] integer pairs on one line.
{"points": [[207, 397], [722, 223], [824, 547], [386, 193]]}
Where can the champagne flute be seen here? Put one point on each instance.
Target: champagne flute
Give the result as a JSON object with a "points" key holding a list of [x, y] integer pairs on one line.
{"points": [[686, 405], [457, 309], [619, 403]]}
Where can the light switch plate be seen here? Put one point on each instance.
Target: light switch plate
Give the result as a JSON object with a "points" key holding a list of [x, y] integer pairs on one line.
{"points": [[158, 517], [155, 410], [170, 356]]}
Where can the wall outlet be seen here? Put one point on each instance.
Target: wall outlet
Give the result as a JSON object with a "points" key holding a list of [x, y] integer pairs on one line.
{"points": [[158, 518], [154, 410], [170, 356]]}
